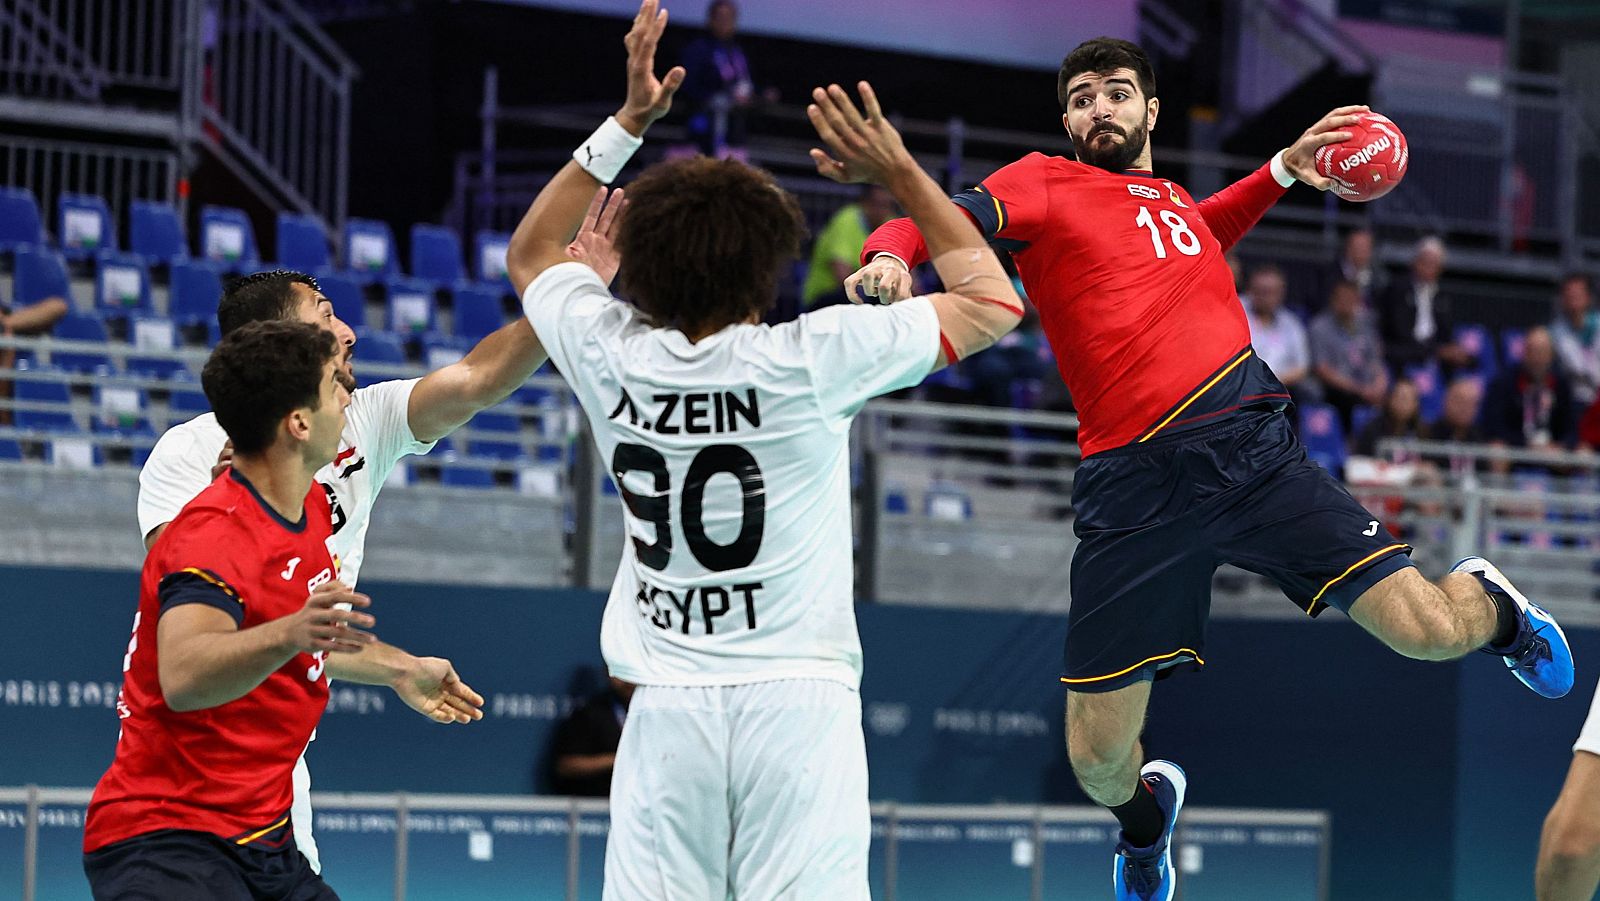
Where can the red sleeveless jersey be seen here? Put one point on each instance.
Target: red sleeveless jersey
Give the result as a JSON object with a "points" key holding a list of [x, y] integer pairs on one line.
{"points": [[224, 770], [1127, 273]]}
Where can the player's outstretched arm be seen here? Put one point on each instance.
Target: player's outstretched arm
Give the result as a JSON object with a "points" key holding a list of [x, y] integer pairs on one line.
{"points": [[1569, 848], [205, 660], [979, 305], [546, 230], [428, 685], [447, 397]]}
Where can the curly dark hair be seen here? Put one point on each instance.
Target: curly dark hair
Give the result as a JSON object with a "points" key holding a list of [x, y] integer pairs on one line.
{"points": [[1104, 55], [703, 242], [260, 297], [260, 373]]}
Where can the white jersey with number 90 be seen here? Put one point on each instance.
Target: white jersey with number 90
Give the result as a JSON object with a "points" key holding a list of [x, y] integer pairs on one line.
{"points": [[731, 458]]}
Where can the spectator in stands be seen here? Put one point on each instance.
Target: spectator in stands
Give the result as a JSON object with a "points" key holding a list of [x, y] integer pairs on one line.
{"points": [[718, 91], [1354, 264], [1531, 405], [1276, 333], [1347, 353], [1235, 266], [1401, 418], [585, 744], [837, 252], [1576, 333], [1458, 421], [34, 319], [1416, 320]]}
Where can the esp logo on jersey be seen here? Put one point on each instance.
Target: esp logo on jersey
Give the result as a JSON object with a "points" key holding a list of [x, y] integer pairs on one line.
{"points": [[1145, 191]]}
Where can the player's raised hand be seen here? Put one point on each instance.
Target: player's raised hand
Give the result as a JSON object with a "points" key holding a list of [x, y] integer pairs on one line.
{"points": [[594, 246], [1300, 158], [649, 97], [885, 278], [224, 459], [433, 689], [864, 147], [323, 625]]}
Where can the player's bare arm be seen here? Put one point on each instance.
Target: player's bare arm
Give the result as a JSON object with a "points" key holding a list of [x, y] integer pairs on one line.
{"points": [[542, 238], [206, 660], [979, 305], [428, 685], [446, 398]]}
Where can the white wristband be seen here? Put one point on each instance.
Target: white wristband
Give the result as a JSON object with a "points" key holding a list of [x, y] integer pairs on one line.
{"points": [[607, 150], [885, 253], [1284, 177]]}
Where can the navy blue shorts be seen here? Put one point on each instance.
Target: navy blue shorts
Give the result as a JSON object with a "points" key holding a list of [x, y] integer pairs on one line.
{"points": [[1155, 520], [180, 865]]}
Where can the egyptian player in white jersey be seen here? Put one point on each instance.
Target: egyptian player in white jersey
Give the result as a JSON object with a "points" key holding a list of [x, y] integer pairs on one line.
{"points": [[742, 772], [385, 422]]}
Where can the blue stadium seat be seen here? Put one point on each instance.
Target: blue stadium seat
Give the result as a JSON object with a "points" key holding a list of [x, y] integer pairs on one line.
{"points": [[369, 250], [1430, 388], [44, 392], [411, 306], [227, 238], [436, 254], [71, 450], [1511, 342], [188, 403], [1323, 436], [40, 274], [196, 287], [946, 501], [466, 477], [19, 219], [156, 233], [439, 351], [119, 407], [476, 312], [157, 367], [85, 226], [302, 243], [491, 421], [345, 294], [121, 285], [1478, 341], [1362, 416], [10, 450], [81, 327], [376, 347], [137, 432], [489, 258]]}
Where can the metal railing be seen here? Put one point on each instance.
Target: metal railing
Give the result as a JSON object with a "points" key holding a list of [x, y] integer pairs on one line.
{"points": [[254, 81], [1028, 830], [276, 105], [118, 173]]}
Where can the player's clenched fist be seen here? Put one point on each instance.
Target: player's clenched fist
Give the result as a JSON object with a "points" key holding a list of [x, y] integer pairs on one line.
{"points": [[322, 625], [885, 278]]}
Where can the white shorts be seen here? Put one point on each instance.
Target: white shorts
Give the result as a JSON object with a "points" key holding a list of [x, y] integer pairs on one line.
{"points": [[300, 815], [750, 792], [1589, 738]]}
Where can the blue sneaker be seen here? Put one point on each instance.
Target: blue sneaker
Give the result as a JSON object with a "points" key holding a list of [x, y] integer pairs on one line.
{"points": [[1539, 656], [1146, 874]]}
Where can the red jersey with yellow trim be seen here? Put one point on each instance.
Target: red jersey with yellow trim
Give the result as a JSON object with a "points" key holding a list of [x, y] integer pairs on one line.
{"points": [[1128, 275], [224, 770]]}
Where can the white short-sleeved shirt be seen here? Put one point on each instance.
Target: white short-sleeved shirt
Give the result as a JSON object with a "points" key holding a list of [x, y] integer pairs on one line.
{"points": [[731, 456], [377, 433]]}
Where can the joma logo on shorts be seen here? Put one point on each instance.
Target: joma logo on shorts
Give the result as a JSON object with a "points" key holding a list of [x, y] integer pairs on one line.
{"points": [[1365, 154]]}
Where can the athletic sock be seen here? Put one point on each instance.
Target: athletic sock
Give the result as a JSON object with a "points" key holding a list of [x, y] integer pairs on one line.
{"points": [[1141, 817], [1507, 618]]}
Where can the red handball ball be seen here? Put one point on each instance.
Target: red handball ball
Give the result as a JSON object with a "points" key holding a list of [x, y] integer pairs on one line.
{"points": [[1368, 165]]}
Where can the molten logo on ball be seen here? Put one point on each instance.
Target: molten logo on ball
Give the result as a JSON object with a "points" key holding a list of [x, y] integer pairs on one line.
{"points": [[1370, 163]]}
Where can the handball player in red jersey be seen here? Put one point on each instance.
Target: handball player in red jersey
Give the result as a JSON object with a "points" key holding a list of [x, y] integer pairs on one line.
{"points": [[1189, 459], [224, 678]]}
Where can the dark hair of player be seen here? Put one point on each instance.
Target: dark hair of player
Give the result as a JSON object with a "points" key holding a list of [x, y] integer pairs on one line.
{"points": [[260, 373], [260, 297], [1105, 55], [703, 243]]}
